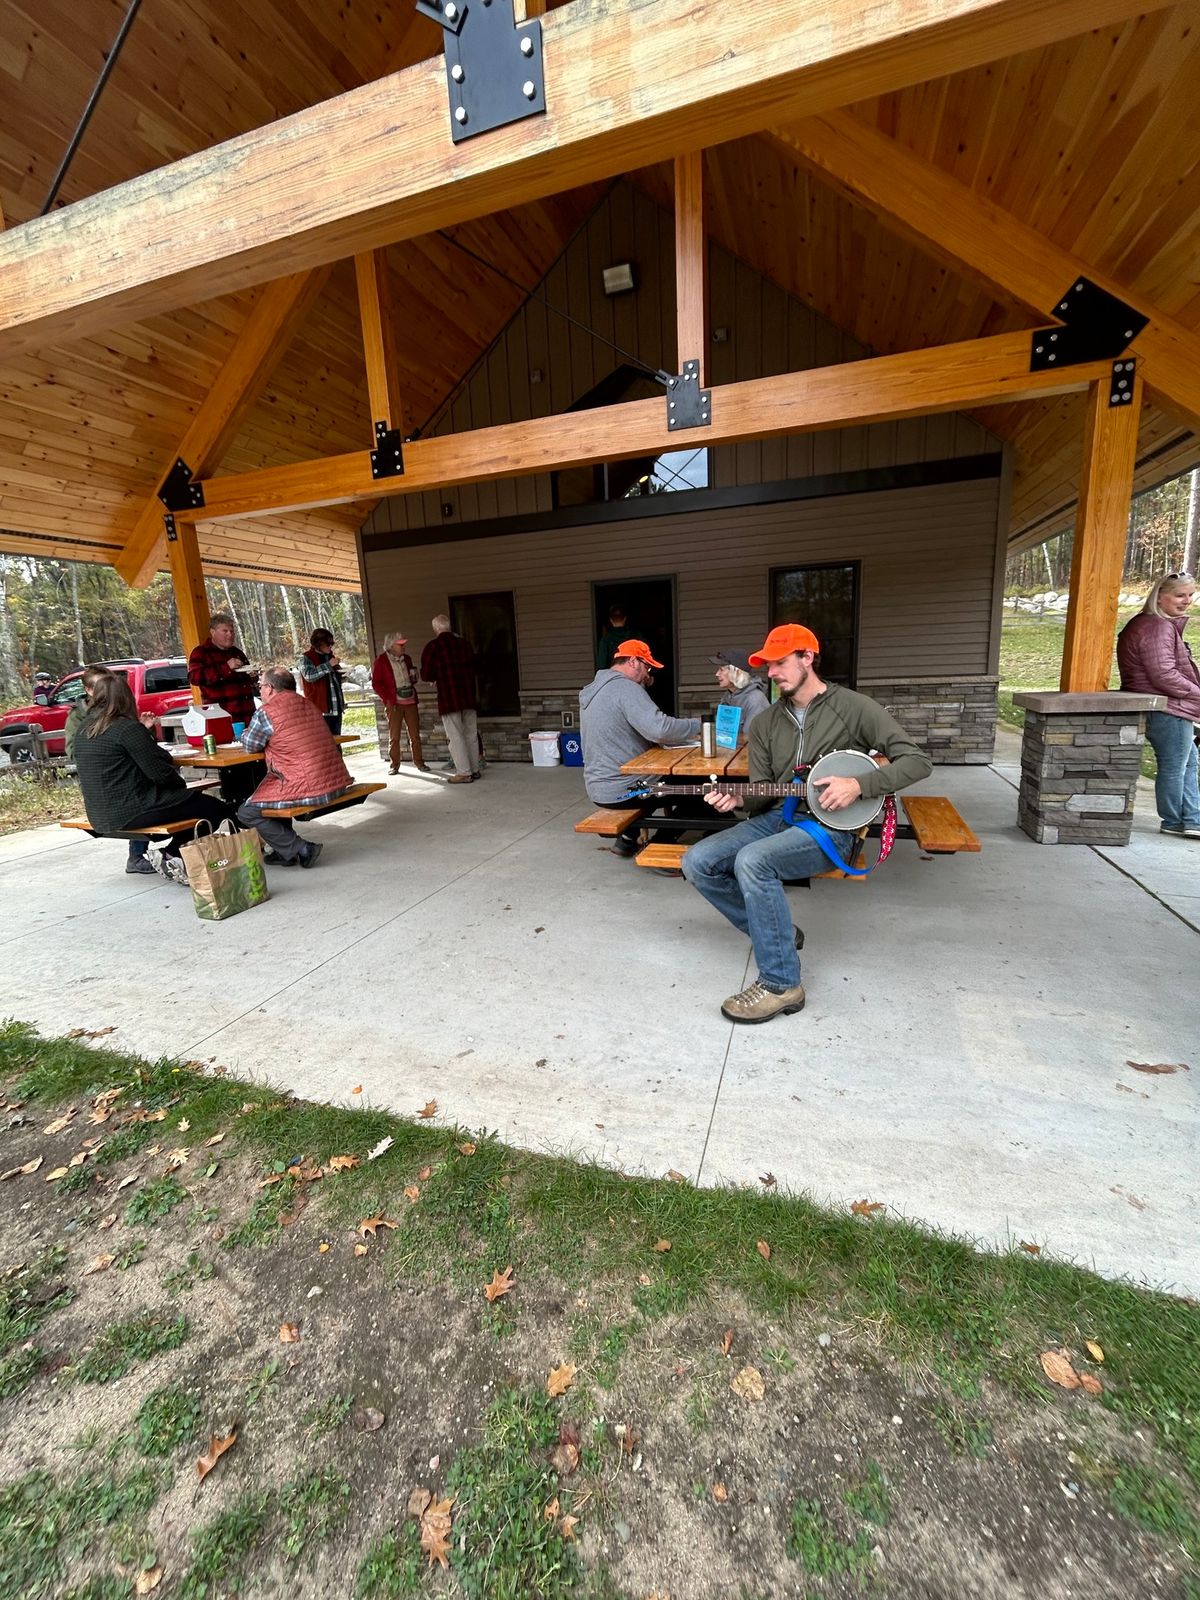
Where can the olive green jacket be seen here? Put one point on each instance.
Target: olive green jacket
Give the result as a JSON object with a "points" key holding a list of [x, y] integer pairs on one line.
{"points": [[838, 719]]}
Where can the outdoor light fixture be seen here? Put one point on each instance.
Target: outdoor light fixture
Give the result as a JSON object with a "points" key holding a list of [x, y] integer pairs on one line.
{"points": [[618, 279]]}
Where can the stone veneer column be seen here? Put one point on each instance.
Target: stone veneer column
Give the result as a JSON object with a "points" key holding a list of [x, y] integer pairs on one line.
{"points": [[1080, 760]]}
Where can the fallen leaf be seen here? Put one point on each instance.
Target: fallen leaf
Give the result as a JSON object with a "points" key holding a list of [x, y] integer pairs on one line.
{"points": [[302, 1174], [764, 1249], [16, 1172], [1090, 1384], [323, 1247], [866, 1208], [467, 1149], [178, 1158], [1031, 1249], [767, 1179], [184, 1125], [539, 930], [371, 1225], [216, 1139], [91, 1033], [1156, 1067], [1094, 1350], [550, 1510], [60, 1123], [341, 1163], [359, 1249], [560, 1380], [357, 1089], [107, 1222], [216, 1449], [675, 1177], [629, 1437], [418, 1500], [286, 1218], [645, 1279], [748, 1384], [130, 1177], [98, 1264], [425, 1174], [600, 1125], [59, 1172], [429, 1109], [719, 1492], [501, 1284], [662, 1246], [435, 1532], [1056, 1364], [727, 1342], [289, 1333], [148, 1578], [79, 1158], [565, 1457], [1134, 1200], [367, 1419], [411, 1192], [567, 1525], [384, 1145]]}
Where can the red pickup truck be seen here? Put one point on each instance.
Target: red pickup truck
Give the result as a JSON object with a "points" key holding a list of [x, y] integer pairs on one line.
{"points": [[157, 686]]}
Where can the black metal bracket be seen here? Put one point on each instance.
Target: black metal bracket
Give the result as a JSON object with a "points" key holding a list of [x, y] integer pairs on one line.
{"points": [[178, 491], [1120, 385], [1097, 326], [688, 405], [387, 458], [493, 68], [169, 528]]}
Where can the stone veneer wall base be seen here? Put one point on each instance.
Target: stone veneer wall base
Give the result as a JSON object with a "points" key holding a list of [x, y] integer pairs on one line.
{"points": [[1081, 755]]}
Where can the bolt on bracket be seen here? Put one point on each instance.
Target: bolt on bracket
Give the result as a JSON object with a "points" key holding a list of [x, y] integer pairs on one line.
{"points": [[688, 405], [493, 68]]}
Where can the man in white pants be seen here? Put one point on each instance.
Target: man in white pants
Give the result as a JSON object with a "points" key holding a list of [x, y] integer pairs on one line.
{"points": [[449, 661]]}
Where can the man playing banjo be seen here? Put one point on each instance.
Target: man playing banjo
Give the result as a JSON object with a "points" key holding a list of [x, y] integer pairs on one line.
{"points": [[742, 870]]}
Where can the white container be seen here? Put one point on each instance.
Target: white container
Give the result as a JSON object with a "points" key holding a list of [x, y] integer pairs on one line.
{"points": [[545, 749]]}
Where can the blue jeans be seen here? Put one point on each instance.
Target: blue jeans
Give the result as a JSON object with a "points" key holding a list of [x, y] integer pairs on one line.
{"points": [[741, 872], [1176, 789]]}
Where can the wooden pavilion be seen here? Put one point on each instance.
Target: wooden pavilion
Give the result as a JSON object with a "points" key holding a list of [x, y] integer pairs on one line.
{"points": [[277, 265]]}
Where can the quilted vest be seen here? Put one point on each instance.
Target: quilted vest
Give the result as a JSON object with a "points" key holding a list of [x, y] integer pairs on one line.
{"points": [[302, 759]]}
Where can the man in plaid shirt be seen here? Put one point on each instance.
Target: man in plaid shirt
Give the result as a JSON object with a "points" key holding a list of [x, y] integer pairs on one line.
{"points": [[449, 661], [216, 668]]}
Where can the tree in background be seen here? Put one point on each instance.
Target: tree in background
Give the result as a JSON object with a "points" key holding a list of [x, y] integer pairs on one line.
{"points": [[56, 615]]}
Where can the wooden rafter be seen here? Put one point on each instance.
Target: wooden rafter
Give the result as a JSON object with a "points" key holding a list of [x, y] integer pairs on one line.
{"points": [[971, 233], [691, 264], [277, 313], [1101, 529], [631, 84], [915, 383], [379, 338]]}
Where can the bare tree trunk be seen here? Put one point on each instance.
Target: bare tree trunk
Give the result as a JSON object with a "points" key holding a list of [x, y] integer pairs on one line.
{"points": [[260, 594], [291, 620], [10, 678], [74, 571], [1191, 540]]}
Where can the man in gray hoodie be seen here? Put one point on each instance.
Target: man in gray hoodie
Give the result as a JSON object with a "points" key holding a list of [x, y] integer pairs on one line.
{"points": [[617, 721]]}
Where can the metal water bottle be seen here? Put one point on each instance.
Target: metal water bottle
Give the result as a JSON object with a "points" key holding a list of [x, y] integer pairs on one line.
{"points": [[708, 737]]}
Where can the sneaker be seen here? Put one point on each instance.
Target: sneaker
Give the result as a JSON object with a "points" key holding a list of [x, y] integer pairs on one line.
{"points": [[1191, 833], [173, 868], [798, 937], [760, 1004], [475, 777], [460, 777], [393, 771], [625, 848], [139, 864], [308, 856]]}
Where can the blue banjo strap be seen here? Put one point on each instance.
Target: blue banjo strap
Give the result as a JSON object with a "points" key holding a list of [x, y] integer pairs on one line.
{"points": [[819, 834]]}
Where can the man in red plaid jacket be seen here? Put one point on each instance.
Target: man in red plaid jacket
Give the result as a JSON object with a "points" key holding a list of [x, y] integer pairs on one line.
{"points": [[449, 661]]}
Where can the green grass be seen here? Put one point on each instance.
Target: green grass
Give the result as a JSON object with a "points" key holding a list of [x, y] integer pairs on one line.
{"points": [[125, 1343], [328, 1417], [819, 1547], [30, 1295], [155, 1201], [1157, 1504], [222, 1547], [47, 1522], [869, 1498], [392, 1568], [30, 798], [964, 1434], [313, 1506], [194, 1270], [166, 1419], [19, 1369]]}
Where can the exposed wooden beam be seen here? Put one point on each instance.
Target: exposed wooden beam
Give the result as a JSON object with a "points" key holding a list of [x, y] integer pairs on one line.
{"points": [[273, 320], [379, 338], [1101, 527], [971, 233], [187, 579], [629, 84], [915, 383], [691, 264]]}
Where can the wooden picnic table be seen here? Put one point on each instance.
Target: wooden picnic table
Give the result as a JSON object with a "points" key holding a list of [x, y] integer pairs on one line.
{"points": [[233, 755], [687, 761]]}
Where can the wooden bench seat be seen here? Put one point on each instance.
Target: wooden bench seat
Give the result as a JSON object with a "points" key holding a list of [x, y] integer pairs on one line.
{"points": [[160, 830], [661, 855], [936, 824], [609, 823], [349, 797]]}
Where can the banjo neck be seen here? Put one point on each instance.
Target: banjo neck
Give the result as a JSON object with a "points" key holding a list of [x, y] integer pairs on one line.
{"points": [[765, 791]]}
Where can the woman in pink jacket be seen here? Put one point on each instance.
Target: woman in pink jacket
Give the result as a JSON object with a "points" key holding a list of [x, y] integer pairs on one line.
{"points": [[1154, 660]]}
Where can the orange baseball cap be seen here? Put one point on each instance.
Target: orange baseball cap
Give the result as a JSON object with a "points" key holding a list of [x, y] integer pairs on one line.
{"points": [[785, 641], [635, 650]]}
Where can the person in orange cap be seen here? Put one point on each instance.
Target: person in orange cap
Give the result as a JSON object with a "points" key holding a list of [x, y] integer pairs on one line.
{"points": [[617, 721], [742, 871]]}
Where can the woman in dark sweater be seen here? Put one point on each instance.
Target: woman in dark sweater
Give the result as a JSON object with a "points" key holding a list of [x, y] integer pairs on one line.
{"points": [[127, 781]]}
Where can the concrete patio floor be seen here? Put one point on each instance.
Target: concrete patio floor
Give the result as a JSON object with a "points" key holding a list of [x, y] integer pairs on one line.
{"points": [[963, 1056]]}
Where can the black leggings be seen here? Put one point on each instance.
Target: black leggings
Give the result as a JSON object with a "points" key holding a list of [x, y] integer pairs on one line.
{"points": [[192, 805]]}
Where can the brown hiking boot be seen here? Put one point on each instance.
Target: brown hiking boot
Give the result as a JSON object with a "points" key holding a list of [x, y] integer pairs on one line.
{"points": [[760, 1004]]}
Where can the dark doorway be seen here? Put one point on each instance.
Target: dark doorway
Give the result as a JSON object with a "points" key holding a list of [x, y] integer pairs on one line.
{"points": [[488, 622], [824, 597], [649, 606]]}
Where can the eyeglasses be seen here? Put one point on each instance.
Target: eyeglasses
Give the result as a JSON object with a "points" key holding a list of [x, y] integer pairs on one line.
{"points": [[1174, 577]]}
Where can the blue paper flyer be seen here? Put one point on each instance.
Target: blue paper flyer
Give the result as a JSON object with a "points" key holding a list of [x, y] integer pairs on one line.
{"points": [[729, 720]]}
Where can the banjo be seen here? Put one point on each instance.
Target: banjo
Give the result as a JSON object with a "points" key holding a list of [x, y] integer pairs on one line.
{"points": [[805, 790]]}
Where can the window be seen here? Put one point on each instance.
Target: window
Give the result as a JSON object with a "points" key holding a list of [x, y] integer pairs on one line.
{"points": [[160, 680], [71, 691], [668, 473], [489, 624], [824, 598]]}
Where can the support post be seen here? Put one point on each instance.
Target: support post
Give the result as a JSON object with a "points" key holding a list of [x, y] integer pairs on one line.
{"points": [[691, 265], [379, 338], [187, 579], [1101, 528]]}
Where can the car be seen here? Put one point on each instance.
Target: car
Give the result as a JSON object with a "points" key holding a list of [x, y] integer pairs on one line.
{"points": [[158, 686]]}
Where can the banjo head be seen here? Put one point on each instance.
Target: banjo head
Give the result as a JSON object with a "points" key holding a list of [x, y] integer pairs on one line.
{"points": [[843, 764]]}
